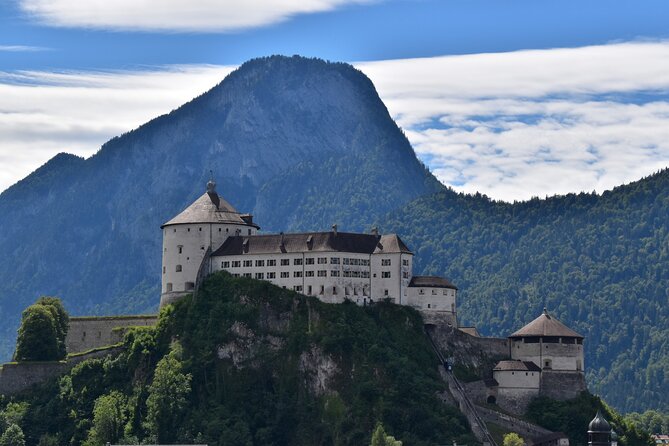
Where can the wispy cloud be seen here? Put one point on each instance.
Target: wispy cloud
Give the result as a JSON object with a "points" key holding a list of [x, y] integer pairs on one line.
{"points": [[173, 15], [533, 123], [22, 48]]}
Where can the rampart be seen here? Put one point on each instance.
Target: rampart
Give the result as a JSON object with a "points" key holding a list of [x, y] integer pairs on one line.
{"points": [[525, 429], [18, 376], [91, 332], [562, 385]]}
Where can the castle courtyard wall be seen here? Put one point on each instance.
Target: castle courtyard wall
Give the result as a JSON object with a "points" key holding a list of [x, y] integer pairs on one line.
{"points": [[562, 385], [87, 333]]}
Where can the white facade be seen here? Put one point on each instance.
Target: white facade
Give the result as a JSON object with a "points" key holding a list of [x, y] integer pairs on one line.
{"points": [[210, 235], [564, 354]]}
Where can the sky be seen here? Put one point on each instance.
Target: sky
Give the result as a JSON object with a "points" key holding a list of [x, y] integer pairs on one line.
{"points": [[511, 99]]}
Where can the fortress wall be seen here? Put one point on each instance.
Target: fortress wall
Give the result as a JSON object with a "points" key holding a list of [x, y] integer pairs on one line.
{"points": [[562, 385], [16, 377], [515, 400], [86, 333], [470, 351], [525, 429]]}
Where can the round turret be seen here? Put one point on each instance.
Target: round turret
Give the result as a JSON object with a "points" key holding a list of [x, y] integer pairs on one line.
{"points": [[192, 235], [599, 431]]}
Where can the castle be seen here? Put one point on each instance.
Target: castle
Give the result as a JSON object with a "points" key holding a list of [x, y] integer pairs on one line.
{"points": [[210, 235]]}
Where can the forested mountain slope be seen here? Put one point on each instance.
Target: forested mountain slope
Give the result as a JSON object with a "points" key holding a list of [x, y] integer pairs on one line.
{"points": [[300, 143], [600, 263]]}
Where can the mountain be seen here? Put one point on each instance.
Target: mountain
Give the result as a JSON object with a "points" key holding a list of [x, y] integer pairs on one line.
{"points": [[600, 263], [254, 364], [303, 144], [300, 143]]}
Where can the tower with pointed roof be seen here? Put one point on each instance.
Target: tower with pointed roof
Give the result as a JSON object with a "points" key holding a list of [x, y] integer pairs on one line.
{"points": [[192, 235]]}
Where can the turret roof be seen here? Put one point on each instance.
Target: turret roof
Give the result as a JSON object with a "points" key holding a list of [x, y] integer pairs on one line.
{"points": [[546, 325], [517, 365], [209, 208], [599, 424]]}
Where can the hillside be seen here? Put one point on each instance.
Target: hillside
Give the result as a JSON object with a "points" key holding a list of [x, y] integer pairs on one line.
{"points": [[599, 263], [255, 365], [282, 135]]}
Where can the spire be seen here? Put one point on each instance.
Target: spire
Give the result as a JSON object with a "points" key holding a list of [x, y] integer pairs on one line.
{"points": [[211, 184]]}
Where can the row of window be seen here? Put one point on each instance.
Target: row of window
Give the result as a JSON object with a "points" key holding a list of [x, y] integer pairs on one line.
{"points": [[297, 261], [227, 230], [434, 292]]}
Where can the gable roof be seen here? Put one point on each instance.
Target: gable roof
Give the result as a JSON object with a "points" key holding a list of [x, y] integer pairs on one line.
{"points": [[311, 242], [210, 208], [546, 325], [517, 366], [431, 282]]}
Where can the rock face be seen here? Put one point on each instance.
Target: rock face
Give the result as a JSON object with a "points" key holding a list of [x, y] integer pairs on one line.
{"points": [[300, 143]]}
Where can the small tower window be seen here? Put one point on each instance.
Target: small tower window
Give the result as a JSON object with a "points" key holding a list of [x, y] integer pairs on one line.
{"points": [[178, 268], [189, 286], [168, 287], [163, 270], [180, 248]]}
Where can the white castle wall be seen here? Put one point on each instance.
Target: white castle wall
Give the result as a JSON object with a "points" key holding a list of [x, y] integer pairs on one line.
{"points": [[565, 355]]}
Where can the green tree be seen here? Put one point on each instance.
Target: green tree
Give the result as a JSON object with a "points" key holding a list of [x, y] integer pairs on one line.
{"points": [[168, 396], [380, 438], [38, 336], [513, 439], [13, 436], [13, 414], [109, 418], [61, 318]]}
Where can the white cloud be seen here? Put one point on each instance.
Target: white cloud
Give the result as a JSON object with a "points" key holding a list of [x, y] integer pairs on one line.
{"points": [[534, 123], [42, 113], [173, 15], [512, 125], [22, 48]]}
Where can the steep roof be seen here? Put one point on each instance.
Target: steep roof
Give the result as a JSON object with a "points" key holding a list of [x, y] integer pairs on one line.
{"points": [[431, 282], [209, 208], [517, 366], [311, 242], [546, 325]]}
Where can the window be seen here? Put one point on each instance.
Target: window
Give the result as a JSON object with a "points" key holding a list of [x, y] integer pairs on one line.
{"points": [[364, 274], [285, 262], [297, 261], [309, 261], [322, 260], [247, 274], [180, 248], [178, 268], [347, 261], [260, 276], [385, 274], [236, 263], [334, 273], [309, 289], [445, 292], [308, 274], [298, 288], [405, 275], [322, 289], [235, 274], [385, 262], [429, 306], [200, 229], [405, 262], [168, 287], [297, 273], [202, 247], [421, 291], [163, 270], [225, 264], [189, 286], [434, 292], [271, 262], [248, 263], [260, 263], [334, 260], [334, 290], [285, 274], [385, 292], [271, 275], [364, 262], [249, 232], [219, 229], [188, 229], [322, 273]]}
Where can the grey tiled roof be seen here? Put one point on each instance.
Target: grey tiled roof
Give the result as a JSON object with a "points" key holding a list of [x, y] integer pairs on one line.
{"points": [[431, 282], [209, 208], [311, 242], [546, 325], [517, 366]]}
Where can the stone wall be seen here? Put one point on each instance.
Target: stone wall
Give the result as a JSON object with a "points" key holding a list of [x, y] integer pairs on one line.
{"points": [[525, 429], [477, 353], [87, 333], [561, 385], [18, 376]]}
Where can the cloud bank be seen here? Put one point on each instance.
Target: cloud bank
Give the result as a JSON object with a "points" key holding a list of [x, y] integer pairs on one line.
{"points": [[510, 125], [21, 48], [534, 123], [173, 15]]}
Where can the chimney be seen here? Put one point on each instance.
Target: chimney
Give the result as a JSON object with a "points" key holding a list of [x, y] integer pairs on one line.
{"points": [[334, 229]]}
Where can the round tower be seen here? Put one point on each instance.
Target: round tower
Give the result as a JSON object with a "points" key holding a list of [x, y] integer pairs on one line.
{"points": [[192, 235], [599, 431]]}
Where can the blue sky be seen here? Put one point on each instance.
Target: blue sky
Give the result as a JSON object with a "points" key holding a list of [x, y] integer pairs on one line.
{"points": [[512, 99]]}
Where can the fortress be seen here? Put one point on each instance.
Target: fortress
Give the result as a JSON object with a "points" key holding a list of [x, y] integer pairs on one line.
{"points": [[542, 358]]}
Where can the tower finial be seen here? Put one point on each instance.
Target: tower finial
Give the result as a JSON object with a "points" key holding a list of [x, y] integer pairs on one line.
{"points": [[211, 184]]}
